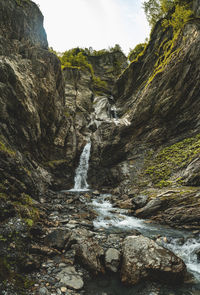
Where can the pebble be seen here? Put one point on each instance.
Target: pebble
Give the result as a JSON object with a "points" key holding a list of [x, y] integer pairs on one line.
{"points": [[62, 265], [63, 289], [43, 291]]}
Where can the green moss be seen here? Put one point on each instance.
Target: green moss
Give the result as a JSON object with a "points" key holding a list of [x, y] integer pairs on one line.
{"points": [[21, 2], [26, 209], [4, 268], [169, 51], [28, 172], [171, 159], [98, 83], [5, 149], [163, 183], [3, 239], [29, 222], [3, 196], [9, 276], [53, 164]]}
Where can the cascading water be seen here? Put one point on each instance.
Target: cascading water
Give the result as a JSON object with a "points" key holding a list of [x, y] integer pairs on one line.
{"points": [[114, 112], [80, 179], [179, 242]]}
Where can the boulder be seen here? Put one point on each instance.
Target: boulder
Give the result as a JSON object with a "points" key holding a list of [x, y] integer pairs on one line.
{"points": [[87, 250], [112, 259], [140, 201], [151, 207], [143, 258], [70, 278], [57, 238]]}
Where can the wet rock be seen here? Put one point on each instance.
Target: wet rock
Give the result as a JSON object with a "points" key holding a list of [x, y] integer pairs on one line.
{"points": [[43, 291], [152, 207], [140, 201], [96, 193], [112, 259], [198, 254], [143, 258], [125, 204], [191, 175], [69, 277], [87, 250], [90, 254], [57, 238]]}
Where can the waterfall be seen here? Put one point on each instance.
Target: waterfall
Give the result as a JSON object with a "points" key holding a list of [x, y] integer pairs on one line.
{"points": [[80, 179], [114, 112]]}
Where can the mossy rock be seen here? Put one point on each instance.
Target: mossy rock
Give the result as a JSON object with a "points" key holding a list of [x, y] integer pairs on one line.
{"points": [[161, 165]]}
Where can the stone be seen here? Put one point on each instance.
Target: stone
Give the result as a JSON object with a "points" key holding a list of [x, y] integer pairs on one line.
{"points": [[43, 291], [90, 254], [96, 193], [57, 238], [143, 258], [191, 175], [63, 289], [125, 204], [152, 207], [70, 278], [112, 259], [140, 201]]}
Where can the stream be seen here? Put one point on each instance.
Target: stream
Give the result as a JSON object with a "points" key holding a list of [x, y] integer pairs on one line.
{"points": [[114, 220], [182, 243]]}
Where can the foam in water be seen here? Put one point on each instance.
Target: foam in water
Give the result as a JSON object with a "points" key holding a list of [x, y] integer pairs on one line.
{"points": [[188, 252], [111, 218], [80, 180]]}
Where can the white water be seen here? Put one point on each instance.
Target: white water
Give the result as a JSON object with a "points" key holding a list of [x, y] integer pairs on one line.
{"points": [[178, 242], [80, 179]]}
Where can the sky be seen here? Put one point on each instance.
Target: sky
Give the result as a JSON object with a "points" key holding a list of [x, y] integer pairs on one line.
{"points": [[97, 23]]}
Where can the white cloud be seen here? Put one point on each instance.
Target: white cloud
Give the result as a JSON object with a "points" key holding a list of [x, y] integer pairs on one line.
{"points": [[96, 23]]}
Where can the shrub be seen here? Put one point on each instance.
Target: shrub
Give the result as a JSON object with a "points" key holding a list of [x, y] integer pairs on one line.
{"points": [[133, 54]]}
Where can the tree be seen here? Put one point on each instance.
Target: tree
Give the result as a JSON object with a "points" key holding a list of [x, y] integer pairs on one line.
{"points": [[156, 9], [153, 11]]}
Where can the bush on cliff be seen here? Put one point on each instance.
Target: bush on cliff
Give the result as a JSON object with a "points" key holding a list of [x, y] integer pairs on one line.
{"points": [[157, 9]]}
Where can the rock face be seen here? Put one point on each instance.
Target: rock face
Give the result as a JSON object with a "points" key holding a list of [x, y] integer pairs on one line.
{"points": [[143, 258], [31, 94], [31, 114], [161, 103]]}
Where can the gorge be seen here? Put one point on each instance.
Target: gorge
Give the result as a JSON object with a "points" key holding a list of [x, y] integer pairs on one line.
{"points": [[99, 164]]}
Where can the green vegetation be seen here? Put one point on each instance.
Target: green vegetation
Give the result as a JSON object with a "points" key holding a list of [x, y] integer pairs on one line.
{"points": [[157, 9], [9, 276], [4, 148], [78, 58], [168, 48], [137, 51], [171, 159], [21, 2], [55, 163], [26, 209], [98, 83], [179, 18]]}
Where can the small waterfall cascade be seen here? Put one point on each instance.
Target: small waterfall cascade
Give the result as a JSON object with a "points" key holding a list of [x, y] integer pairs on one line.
{"points": [[80, 179], [179, 242], [114, 112]]}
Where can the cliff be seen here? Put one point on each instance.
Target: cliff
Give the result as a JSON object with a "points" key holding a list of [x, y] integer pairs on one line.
{"points": [[143, 124], [159, 95], [31, 112]]}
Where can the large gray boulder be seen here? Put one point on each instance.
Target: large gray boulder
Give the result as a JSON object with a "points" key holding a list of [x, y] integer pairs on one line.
{"points": [[87, 250], [143, 258]]}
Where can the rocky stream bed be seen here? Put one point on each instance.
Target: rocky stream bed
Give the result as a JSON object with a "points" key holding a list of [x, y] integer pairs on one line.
{"points": [[87, 246]]}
